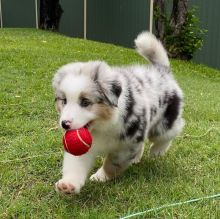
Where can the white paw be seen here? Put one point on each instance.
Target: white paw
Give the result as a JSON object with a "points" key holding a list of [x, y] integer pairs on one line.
{"points": [[138, 157], [136, 160], [157, 151], [66, 186], [99, 176]]}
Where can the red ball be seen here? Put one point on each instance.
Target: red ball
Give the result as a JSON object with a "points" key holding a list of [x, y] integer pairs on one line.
{"points": [[77, 142]]}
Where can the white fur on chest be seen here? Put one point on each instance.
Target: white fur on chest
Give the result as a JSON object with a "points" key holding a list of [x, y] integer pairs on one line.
{"points": [[106, 140]]}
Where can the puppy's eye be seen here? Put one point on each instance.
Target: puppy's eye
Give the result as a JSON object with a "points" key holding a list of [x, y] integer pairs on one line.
{"points": [[64, 101], [84, 102]]}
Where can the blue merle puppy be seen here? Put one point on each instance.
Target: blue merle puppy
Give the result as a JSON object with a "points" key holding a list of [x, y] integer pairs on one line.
{"points": [[122, 106]]}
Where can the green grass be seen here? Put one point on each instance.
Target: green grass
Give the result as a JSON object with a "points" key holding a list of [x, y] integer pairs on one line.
{"points": [[31, 152]]}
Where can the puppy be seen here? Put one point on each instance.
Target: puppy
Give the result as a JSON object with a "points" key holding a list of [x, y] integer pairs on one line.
{"points": [[122, 106]]}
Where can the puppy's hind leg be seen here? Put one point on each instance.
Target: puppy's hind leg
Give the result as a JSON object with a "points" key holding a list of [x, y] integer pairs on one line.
{"points": [[117, 162], [159, 148], [139, 155], [110, 169], [162, 140]]}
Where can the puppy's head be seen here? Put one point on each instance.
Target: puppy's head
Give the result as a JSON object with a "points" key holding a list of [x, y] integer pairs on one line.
{"points": [[86, 93]]}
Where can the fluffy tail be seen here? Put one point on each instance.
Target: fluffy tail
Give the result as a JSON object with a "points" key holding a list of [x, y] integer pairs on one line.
{"points": [[151, 48]]}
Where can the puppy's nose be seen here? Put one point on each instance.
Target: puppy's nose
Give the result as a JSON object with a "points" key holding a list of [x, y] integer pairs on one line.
{"points": [[66, 124]]}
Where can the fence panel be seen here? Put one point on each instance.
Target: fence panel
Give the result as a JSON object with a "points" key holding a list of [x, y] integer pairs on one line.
{"points": [[1, 24], [18, 13], [71, 22], [208, 12], [117, 21]]}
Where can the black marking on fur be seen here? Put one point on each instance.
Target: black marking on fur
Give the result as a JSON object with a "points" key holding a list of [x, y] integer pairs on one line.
{"points": [[132, 127], [160, 102], [142, 128], [116, 88], [172, 109], [136, 128], [139, 138], [129, 105]]}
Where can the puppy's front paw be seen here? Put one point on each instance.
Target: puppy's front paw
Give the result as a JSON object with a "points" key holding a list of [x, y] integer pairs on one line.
{"points": [[65, 186], [99, 176]]}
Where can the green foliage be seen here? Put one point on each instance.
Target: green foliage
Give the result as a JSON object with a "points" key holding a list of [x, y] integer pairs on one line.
{"points": [[190, 38]]}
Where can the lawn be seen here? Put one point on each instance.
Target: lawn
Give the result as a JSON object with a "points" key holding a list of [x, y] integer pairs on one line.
{"points": [[31, 150]]}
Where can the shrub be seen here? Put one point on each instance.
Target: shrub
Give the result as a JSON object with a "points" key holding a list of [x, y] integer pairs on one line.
{"points": [[189, 39]]}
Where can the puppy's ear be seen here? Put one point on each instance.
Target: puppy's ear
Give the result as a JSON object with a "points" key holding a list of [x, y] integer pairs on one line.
{"points": [[108, 87], [109, 92]]}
